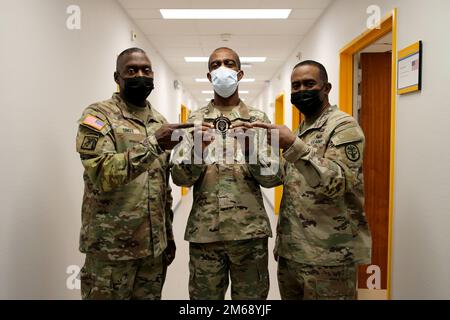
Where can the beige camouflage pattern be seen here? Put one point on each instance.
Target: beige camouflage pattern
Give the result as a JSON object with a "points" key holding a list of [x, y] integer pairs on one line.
{"points": [[138, 279], [228, 203], [126, 211], [298, 281], [245, 261], [322, 219]]}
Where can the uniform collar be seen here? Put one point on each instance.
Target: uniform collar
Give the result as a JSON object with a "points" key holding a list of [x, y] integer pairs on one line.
{"points": [[319, 123], [125, 109], [241, 112]]}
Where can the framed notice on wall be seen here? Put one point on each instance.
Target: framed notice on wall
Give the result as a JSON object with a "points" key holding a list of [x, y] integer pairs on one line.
{"points": [[410, 69]]}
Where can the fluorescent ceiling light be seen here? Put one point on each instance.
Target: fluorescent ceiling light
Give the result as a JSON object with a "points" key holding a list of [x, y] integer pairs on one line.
{"points": [[243, 91], [246, 65], [207, 91], [243, 59], [225, 13], [253, 59], [201, 80]]}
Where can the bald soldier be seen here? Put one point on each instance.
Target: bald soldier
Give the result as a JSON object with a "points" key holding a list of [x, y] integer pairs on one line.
{"points": [[322, 230], [228, 226], [126, 230]]}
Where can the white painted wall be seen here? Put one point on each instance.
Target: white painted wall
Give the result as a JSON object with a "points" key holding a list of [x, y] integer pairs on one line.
{"points": [[49, 75], [421, 238]]}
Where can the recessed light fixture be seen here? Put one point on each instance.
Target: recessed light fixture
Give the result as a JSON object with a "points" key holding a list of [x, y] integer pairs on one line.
{"points": [[207, 91], [243, 91], [246, 65], [206, 80], [243, 59], [225, 13]]}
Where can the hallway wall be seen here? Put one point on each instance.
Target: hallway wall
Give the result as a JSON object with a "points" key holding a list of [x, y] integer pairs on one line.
{"points": [[421, 240], [49, 75]]}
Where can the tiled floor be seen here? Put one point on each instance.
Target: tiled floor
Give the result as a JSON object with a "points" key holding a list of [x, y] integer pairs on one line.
{"points": [[176, 286]]}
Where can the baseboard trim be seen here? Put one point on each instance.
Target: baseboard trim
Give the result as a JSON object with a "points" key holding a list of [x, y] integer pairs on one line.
{"points": [[367, 294]]}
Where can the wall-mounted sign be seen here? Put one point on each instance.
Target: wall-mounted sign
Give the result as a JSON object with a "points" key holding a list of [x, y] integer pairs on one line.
{"points": [[410, 69]]}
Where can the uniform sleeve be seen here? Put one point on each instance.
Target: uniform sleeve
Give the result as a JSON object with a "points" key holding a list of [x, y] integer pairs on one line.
{"points": [[267, 170], [106, 168], [185, 171], [340, 169]]}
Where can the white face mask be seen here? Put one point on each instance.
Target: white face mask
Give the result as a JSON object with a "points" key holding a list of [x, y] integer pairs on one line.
{"points": [[225, 81]]}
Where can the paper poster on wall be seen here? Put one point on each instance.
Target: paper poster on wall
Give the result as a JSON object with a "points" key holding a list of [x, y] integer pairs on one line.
{"points": [[410, 69]]}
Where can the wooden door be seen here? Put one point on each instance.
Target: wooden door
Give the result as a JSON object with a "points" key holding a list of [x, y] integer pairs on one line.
{"points": [[376, 124]]}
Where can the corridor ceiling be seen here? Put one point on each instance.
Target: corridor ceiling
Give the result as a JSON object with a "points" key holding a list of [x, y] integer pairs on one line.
{"points": [[176, 39]]}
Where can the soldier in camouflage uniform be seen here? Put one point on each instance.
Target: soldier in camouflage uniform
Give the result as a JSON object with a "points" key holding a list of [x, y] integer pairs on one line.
{"points": [[322, 230], [228, 226], [126, 230]]}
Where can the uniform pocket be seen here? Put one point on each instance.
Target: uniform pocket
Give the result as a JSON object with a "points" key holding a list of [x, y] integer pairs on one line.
{"points": [[86, 283], [96, 280], [124, 141], [341, 287]]}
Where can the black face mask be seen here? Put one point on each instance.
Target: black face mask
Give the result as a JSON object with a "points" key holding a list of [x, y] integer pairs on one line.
{"points": [[307, 102], [137, 89]]}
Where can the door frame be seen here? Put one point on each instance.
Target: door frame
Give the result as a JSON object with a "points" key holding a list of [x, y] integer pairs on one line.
{"points": [[278, 118], [388, 24], [183, 118], [296, 118]]}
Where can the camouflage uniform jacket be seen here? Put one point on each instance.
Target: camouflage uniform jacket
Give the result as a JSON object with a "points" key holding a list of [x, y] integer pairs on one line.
{"points": [[228, 203], [322, 220], [126, 211]]}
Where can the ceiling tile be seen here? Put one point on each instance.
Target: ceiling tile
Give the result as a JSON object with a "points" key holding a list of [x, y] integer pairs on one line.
{"points": [[175, 39]]}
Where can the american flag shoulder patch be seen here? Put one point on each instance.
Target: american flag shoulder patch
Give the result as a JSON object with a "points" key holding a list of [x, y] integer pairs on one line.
{"points": [[94, 122]]}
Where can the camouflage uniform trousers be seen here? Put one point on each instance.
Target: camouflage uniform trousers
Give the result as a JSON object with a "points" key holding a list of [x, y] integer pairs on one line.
{"points": [[140, 279], [299, 281], [244, 261]]}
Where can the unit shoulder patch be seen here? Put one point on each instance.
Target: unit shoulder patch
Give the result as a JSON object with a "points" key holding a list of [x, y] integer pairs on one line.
{"points": [[352, 152], [89, 142]]}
